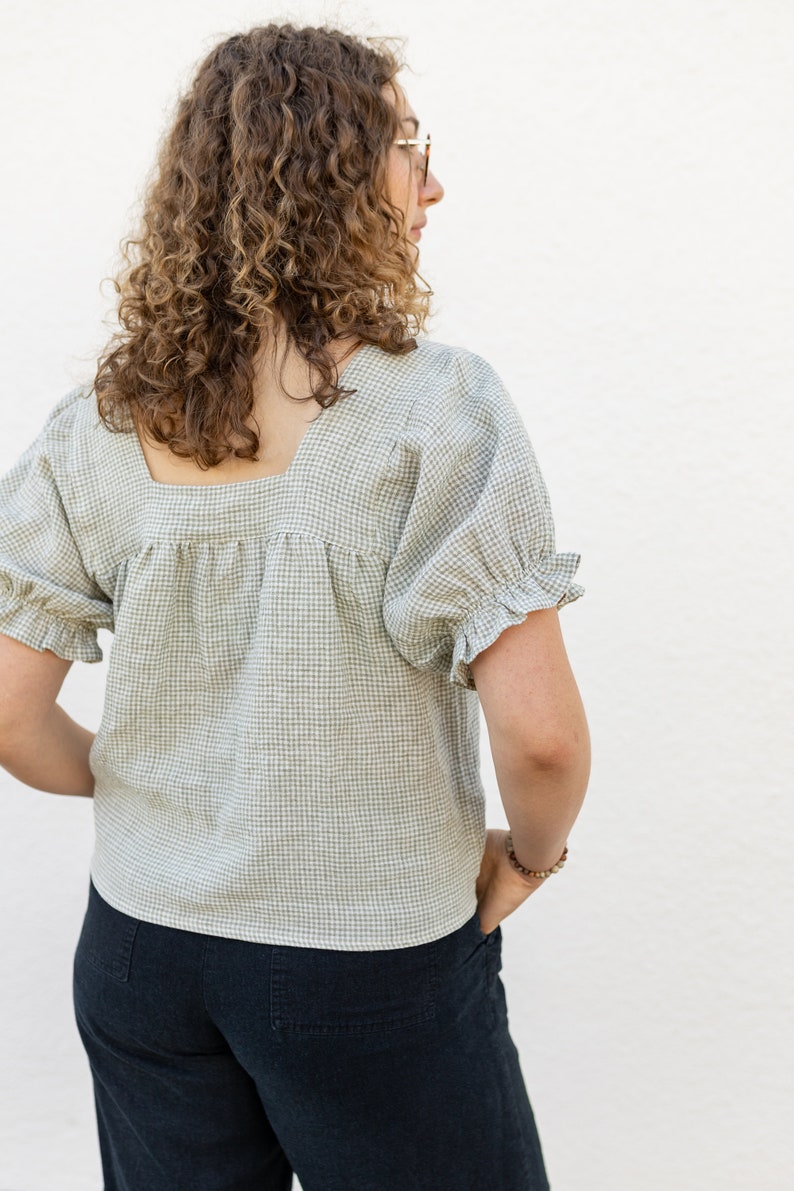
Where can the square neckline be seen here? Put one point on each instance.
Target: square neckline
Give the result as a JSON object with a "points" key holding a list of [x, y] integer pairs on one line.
{"points": [[142, 464]]}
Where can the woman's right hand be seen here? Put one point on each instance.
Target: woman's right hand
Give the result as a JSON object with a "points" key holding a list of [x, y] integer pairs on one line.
{"points": [[500, 888]]}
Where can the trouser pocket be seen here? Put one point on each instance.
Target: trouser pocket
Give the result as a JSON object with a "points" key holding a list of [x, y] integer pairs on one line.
{"points": [[327, 992], [107, 939]]}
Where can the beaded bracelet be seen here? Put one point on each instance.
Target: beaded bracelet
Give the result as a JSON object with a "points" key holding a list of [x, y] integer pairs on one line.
{"points": [[528, 872]]}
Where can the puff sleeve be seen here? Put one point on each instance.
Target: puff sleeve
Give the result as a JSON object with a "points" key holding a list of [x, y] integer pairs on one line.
{"points": [[476, 551], [48, 600]]}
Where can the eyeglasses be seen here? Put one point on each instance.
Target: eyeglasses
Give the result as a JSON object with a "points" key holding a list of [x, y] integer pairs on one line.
{"points": [[424, 144]]}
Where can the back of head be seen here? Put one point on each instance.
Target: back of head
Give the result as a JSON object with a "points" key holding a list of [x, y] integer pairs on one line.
{"points": [[267, 213]]}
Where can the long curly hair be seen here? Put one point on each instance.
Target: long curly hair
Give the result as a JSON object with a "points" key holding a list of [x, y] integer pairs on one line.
{"points": [[267, 209]]}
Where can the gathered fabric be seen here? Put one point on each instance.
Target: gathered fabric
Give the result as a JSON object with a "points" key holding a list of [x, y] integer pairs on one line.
{"points": [[288, 752]]}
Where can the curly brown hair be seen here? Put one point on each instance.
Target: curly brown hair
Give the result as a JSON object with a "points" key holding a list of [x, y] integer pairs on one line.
{"points": [[267, 209]]}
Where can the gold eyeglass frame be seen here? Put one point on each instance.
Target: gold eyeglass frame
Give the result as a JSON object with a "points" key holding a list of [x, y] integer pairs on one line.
{"points": [[425, 140]]}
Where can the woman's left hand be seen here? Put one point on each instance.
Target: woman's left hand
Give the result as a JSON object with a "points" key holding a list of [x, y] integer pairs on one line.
{"points": [[500, 888]]}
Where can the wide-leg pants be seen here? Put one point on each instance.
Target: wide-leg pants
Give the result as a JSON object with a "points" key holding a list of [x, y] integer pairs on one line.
{"points": [[222, 1065]]}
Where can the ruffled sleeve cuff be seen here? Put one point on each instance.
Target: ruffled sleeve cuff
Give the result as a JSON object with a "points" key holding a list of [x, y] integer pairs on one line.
{"points": [[38, 629], [548, 584]]}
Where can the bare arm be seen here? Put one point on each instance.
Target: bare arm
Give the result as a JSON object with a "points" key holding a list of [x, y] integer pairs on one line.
{"points": [[541, 751], [39, 744]]}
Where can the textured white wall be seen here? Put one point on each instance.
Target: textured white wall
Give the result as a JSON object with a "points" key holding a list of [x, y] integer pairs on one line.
{"points": [[616, 240]]}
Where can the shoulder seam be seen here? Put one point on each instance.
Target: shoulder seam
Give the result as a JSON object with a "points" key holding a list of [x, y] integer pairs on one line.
{"points": [[66, 403]]}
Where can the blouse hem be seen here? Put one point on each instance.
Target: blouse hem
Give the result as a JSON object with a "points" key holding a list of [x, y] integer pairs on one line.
{"points": [[373, 940]]}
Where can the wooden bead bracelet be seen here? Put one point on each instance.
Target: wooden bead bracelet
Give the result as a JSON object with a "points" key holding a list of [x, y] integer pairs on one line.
{"points": [[528, 872]]}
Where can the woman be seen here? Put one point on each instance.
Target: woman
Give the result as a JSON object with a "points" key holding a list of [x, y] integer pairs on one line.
{"points": [[290, 956]]}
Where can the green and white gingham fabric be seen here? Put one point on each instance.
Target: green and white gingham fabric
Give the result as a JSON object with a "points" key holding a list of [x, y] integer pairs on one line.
{"points": [[288, 752]]}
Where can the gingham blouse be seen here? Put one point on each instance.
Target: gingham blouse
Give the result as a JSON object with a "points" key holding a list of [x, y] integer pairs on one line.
{"points": [[288, 751]]}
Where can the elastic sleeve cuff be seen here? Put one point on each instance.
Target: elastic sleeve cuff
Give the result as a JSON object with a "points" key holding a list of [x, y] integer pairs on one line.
{"points": [[549, 584], [39, 630]]}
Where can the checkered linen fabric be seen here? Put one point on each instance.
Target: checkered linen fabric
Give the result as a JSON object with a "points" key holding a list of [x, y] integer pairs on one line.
{"points": [[288, 752]]}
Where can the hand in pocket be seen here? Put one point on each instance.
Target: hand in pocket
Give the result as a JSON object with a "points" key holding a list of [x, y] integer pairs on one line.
{"points": [[500, 888]]}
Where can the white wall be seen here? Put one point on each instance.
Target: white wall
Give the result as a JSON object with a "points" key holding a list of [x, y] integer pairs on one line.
{"points": [[616, 240]]}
